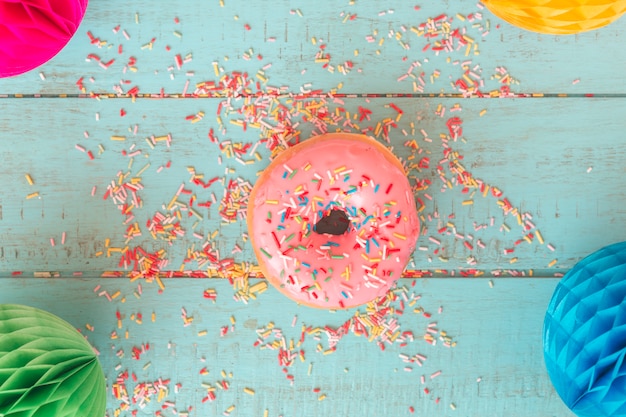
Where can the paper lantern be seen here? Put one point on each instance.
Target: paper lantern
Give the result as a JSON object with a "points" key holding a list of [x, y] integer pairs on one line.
{"points": [[47, 368], [557, 17], [584, 335], [34, 31]]}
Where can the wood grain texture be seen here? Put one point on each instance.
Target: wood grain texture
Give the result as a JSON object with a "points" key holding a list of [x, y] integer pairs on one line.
{"points": [[557, 158], [563, 171], [283, 38], [495, 369]]}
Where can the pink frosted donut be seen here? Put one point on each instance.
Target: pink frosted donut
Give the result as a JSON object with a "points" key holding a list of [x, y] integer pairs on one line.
{"points": [[333, 221]]}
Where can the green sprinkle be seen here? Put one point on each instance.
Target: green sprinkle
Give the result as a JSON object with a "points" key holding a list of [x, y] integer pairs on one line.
{"points": [[266, 253]]}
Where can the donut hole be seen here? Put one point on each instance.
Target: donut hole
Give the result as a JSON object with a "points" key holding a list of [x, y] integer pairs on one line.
{"points": [[334, 222]]}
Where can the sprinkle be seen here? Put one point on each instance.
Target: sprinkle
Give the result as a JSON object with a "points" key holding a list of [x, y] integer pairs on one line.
{"points": [[29, 179], [249, 391], [32, 195], [539, 237]]}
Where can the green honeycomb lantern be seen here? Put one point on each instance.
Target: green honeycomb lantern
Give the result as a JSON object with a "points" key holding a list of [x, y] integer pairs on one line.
{"points": [[47, 368]]}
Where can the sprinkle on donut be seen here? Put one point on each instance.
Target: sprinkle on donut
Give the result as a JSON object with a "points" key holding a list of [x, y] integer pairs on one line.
{"points": [[333, 221]]}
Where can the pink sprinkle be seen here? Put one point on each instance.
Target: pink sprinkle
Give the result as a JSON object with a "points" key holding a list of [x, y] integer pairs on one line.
{"points": [[51, 241], [63, 239]]}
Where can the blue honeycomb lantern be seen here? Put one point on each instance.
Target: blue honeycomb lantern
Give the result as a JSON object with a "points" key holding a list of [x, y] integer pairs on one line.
{"points": [[584, 335]]}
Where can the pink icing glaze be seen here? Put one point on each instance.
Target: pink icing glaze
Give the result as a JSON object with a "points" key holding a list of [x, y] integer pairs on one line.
{"points": [[349, 172]]}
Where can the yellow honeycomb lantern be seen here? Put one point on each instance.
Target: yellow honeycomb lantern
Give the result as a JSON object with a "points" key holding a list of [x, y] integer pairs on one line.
{"points": [[557, 17]]}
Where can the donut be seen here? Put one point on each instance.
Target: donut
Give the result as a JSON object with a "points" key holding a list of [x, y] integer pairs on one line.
{"points": [[332, 221]]}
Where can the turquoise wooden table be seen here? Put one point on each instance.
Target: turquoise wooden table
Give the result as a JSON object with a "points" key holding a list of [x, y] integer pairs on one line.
{"points": [[129, 157]]}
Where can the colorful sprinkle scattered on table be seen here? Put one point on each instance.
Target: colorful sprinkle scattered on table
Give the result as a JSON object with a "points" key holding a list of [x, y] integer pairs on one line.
{"points": [[196, 226]]}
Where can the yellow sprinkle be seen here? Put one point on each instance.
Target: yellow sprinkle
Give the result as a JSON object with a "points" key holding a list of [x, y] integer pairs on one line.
{"points": [[158, 280], [399, 236], [248, 391], [118, 137], [115, 294], [482, 112], [29, 179], [271, 201], [539, 237], [153, 316], [143, 169], [468, 202], [259, 287], [321, 397], [32, 195], [552, 263]]}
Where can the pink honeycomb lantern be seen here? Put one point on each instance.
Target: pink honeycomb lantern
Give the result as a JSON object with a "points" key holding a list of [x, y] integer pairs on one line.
{"points": [[33, 31]]}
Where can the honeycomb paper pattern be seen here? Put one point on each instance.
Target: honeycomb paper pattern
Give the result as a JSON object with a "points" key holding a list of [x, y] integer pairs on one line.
{"points": [[584, 335], [34, 31], [557, 17], [47, 368]]}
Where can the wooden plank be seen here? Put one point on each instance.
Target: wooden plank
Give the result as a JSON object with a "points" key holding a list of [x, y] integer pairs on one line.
{"points": [[497, 330], [289, 37], [559, 161]]}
